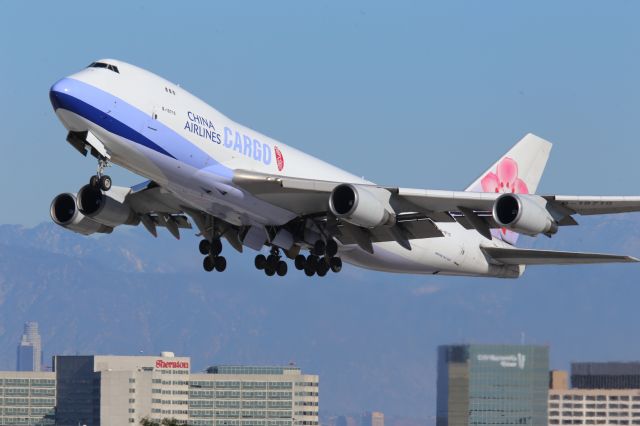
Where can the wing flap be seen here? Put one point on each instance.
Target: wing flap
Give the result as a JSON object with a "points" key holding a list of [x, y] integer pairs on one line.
{"points": [[515, 256]]}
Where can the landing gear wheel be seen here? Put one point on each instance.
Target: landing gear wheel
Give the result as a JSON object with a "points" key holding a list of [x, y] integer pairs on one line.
{"points": [[281, 269], [323, 268], [319, 248], [208, 264], [260, 262], [220, 263], [299, 262], [204, 247], [105, 183], [215, 247], [269, 271], [309, 270], [94, 182], [336, 264], [272, 261], [332, 248], [312, 262]]}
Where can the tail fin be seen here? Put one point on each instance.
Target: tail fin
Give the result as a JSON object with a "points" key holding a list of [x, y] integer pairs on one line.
{"points": [[518, 171]]}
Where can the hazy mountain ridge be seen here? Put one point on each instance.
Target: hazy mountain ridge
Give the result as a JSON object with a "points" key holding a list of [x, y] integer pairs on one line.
{"points": [[372, 337]]}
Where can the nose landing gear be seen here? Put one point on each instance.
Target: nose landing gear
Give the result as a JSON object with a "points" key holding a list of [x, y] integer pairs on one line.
{"points": [[100, 180]]}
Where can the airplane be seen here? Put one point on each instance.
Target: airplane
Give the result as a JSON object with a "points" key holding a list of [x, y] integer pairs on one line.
{"points": [[255, 192]]}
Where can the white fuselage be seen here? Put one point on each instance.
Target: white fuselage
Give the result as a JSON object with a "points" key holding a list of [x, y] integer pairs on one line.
{"points": [[162, 132]]}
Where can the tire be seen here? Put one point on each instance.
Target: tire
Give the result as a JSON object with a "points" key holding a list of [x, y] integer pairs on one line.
{"points": [[322, 269], [208, 264], [105, 183], [309, 271], [94, 182], [336, 264], [319, 248], [221, 263], [299, 262], [269, 271], [312, 262], [215, 247], [272, 261], [260, 262], [332, 248], [204, 247], [282, 268]]}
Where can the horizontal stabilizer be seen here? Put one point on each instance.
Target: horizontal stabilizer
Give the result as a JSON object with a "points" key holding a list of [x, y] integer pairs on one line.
{"points": [[515, 256]]}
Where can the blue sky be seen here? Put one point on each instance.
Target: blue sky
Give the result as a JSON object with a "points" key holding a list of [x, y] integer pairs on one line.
{"points": [[420, 94]]}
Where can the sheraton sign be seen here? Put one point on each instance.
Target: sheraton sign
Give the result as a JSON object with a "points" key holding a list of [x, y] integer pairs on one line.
{"points": [[172, 364]]}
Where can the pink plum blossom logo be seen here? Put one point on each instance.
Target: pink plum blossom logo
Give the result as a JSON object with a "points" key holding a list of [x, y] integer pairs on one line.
{"points": [[279, 158], [505, 181]]}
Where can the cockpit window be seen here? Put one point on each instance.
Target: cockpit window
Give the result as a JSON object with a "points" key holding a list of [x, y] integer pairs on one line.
{"points": [[104, 65]]}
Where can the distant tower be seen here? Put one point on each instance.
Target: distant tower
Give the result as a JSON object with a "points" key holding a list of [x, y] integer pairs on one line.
{"points": [[374, 418], [30, 349]]}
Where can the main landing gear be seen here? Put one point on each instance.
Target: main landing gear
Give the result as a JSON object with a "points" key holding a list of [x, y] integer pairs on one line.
{"points": [[100, 180], [320, 261], [211, 250], [272, 264]]}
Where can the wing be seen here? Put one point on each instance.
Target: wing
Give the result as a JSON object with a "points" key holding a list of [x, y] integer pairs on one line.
{"points": [[514, 256], [593, 205], [155, 207], [473, 210]]}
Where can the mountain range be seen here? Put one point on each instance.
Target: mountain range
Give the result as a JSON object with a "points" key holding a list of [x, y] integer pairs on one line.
{"points": [[372, 337]]}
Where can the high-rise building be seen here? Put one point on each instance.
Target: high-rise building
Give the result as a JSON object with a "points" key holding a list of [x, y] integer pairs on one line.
{"points": [[601, 394], [253, 396], [27, 398], [120, 390], [605, 375], [30, 349], [492, 384], [373, 418], [346, 421]]}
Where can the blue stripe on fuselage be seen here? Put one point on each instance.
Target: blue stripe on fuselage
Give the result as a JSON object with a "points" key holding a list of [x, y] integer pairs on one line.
{"points": [[121, 118]]}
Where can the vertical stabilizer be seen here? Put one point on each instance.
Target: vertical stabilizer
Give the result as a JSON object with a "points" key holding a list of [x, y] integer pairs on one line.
{"points": [[518, 171]]}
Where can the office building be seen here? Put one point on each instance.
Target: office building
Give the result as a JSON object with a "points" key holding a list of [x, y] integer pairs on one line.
{"points": [[118, 390], [253, 396], [492, 384], [605, 375], [30, 349], [27, 398], [107, 390], [373, 418], [601, 394], [344, 421]]}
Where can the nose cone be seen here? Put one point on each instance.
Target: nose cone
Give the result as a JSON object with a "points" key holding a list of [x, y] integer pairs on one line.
{"points": [[59, 93]]}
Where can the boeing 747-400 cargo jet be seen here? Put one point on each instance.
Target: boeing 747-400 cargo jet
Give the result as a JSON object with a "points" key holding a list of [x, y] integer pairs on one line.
{"points": [[235, 183]]}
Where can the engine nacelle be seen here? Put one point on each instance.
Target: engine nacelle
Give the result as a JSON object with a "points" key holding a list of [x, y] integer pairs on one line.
{"points": [[524, 214], [104, 209], [361, 206], [65, 213]]}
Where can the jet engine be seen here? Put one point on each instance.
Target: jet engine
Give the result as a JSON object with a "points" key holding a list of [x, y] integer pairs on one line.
{"points": [[524, 214], [105, 209], [365, 207], [65, 213]]}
